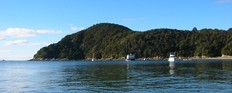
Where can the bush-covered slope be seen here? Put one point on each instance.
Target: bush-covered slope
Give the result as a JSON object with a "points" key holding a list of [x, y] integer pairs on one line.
{"points": [[106, 40]]}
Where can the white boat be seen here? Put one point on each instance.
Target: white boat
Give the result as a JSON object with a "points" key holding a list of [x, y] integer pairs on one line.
{"points": [[130, 57], [171, 57]]}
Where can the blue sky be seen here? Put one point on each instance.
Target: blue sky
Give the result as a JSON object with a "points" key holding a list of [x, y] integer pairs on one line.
{"points": [[28, 25]]}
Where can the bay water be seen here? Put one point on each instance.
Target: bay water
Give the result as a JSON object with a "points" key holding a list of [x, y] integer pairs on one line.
{"points": [[202, 76]]}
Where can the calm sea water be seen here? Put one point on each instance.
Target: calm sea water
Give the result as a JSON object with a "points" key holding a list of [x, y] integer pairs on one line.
{"points": [[203, 76]]}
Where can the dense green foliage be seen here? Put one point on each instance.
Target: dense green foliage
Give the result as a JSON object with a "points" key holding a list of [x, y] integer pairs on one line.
{"points": [[114, 41]]}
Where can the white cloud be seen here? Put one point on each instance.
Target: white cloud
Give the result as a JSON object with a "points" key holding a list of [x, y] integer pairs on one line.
{"points": [[47, 32], [5, 51], [24, 32], [16, 42], [75, 28], [23, 42]]}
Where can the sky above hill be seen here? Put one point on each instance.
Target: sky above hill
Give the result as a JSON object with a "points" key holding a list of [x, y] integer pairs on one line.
{"points": [[28, 25]]}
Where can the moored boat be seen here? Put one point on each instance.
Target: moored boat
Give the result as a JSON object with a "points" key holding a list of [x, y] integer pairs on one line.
{"points": [[171, 57]]}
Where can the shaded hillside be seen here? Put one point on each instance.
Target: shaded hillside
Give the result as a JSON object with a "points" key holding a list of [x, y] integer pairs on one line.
{"points": [[114, 41]]}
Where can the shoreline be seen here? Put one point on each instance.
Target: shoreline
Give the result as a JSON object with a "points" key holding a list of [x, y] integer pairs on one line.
{"points": [[140, 59], [219, 58]]}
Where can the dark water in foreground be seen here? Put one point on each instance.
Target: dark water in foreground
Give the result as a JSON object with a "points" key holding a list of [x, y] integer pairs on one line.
{"points": [[203, 76]]}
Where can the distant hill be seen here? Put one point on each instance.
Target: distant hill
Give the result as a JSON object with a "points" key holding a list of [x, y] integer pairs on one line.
{"points": [[113, 41]]}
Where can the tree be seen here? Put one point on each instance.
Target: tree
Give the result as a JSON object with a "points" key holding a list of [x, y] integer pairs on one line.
{"points": [[194, 29], [230, 30], [227, 50]]}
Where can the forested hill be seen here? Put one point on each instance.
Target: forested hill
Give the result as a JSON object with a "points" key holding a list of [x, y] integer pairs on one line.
{"points": [[106, 40]]}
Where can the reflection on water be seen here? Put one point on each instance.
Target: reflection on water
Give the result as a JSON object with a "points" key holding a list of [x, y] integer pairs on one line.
{"points": [[172, 68], [97, 76], [117, 76]]}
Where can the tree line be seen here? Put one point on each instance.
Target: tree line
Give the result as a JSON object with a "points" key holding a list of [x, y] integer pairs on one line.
{"points": [[107, 40]]}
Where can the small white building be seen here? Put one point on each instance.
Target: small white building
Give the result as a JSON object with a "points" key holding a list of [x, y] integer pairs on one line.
{"points": [[130, 57]]}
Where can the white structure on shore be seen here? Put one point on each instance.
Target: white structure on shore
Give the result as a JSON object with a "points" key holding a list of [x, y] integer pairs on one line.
{"points": [[130, 57], [171, 57]]}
